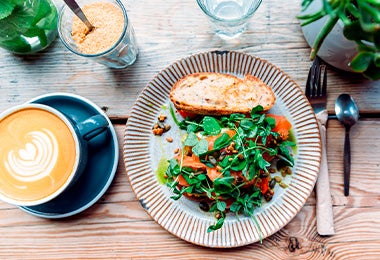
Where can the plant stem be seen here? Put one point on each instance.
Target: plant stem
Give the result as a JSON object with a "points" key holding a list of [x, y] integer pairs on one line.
{"points": [[326, 29]]}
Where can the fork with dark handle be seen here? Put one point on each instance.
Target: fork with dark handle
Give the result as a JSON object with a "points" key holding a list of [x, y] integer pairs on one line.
{"points": [[316, 92]]}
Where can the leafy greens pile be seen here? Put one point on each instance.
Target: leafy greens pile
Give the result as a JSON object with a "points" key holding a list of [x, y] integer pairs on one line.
{"points": [[255, 146]]}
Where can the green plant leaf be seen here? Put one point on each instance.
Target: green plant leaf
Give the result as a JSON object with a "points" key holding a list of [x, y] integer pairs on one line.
{"points": [[43, 9], [362, 61], [201, 147], [326, 29], [217, 225], [17, 44], [376, 39], [236, 207], [256, 111], [352, 9], [223, 185], [6, 8], [222, 141], [369, 16], [261, 162], [310, 18], [355, 32], [376, 60], [191, 128], [221, 205], [211, 126], [372, 72], [305, 4], [271, 121], [47, 16], [238, 165], [191, 139], [18, 22]]}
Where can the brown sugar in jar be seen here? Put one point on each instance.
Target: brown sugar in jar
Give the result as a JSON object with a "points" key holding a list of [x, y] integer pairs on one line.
{"points": [[108, 21]]}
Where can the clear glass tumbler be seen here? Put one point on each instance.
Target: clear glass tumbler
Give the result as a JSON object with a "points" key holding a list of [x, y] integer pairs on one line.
{"points": [[121, 54], [27, 26], [229, 18]]}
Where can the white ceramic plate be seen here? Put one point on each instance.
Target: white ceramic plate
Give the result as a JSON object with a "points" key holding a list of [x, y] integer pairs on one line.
{"points": [[143, 153]]}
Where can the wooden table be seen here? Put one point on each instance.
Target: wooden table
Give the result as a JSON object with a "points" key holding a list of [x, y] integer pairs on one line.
{"points": [[117, 226]]}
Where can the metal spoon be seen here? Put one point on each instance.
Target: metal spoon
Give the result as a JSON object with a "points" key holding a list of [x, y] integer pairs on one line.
{"points": [[73, 5], [348, 114]]}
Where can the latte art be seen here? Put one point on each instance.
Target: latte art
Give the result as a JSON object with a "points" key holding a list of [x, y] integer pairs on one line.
{"points": [[36, 160], [39, 153]]}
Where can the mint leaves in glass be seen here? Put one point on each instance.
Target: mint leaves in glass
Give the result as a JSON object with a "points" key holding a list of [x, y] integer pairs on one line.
{"points": [[27, 26]]}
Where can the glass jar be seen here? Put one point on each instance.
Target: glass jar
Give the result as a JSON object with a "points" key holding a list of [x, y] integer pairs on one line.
{"points": [[27, 26]]}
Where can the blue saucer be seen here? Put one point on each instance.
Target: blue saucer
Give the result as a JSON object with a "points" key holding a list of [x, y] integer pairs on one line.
{"points": [[101, 166]]}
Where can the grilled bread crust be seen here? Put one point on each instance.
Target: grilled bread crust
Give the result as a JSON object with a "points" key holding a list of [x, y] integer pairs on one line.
{"points": [[210, 93]]}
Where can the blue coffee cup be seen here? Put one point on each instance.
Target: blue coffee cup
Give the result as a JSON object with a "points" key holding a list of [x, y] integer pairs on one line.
{"points": [[43, 152]]}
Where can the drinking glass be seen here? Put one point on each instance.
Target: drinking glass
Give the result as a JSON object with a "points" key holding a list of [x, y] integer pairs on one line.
{"points": [[229, 18], [27, 26], [121, 54]]}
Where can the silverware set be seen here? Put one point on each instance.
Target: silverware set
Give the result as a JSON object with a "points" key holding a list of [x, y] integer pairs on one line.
{"points": [[347, 113]]}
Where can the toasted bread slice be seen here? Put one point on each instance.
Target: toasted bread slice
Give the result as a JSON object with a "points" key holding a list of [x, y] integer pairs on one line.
{"points": [[220, 94]]}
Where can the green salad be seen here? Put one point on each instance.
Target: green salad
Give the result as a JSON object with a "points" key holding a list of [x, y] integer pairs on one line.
{"points": [[228, 163]]}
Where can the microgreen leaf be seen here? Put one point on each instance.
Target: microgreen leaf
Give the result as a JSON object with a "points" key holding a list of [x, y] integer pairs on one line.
{"points": [[236, 207], [222, 141], [217, 225], [191, 139], [236, 117], [221, 205], [201, 147], [246, 124], [225, 162], [211, 126], [182, 191], [192, 128], [173, 169], [252, 172], [256, 110], [261, 162], [223, 185], [286, 156], [238, 165], [271, 121]]}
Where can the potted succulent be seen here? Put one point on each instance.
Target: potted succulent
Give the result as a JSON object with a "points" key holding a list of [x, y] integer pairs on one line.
{"points": [[358, 23]]}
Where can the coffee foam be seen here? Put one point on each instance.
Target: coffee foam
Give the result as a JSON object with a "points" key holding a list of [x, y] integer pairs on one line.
{"points": [[38, 156], [36, 160]]}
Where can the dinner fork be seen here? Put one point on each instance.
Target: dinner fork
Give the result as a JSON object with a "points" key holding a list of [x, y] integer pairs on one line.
{"points": [[316, 92]]}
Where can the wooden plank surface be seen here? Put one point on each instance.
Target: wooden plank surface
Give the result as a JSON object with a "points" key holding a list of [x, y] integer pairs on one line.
{"points": [[167, 31], [117, 226]]}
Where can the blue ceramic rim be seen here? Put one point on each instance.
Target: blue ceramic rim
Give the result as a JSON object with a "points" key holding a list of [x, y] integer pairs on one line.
{"points": [[112, 172]]}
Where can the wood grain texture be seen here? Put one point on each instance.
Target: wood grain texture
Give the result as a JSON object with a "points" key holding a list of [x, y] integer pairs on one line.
{"points": [[117, 226], [167, 31]]}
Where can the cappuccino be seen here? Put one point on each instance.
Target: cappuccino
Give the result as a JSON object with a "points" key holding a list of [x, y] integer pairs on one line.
{"points": [[39, 155]]}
